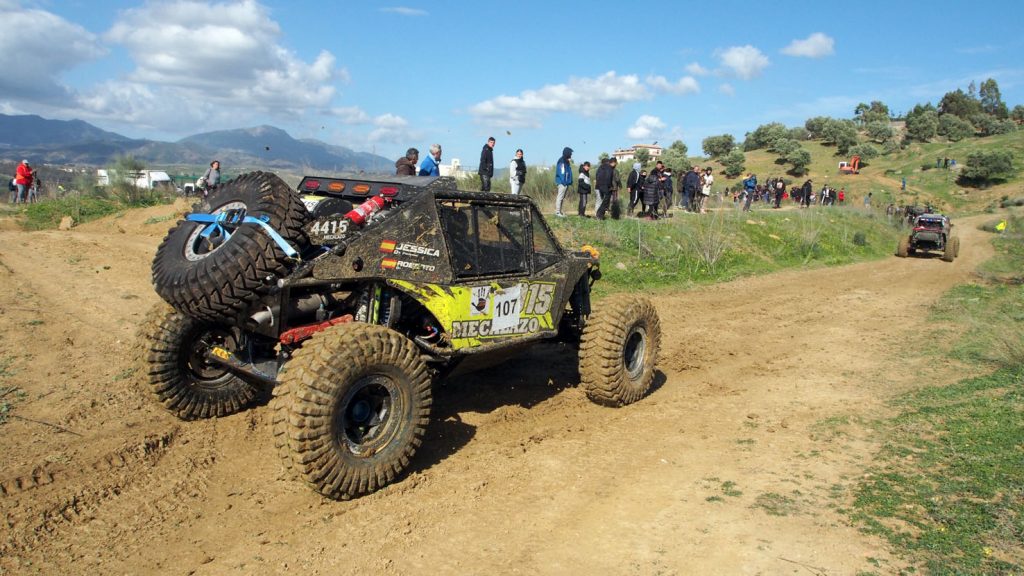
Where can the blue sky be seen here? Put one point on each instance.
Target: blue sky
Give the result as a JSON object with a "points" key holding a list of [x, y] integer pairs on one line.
{"points": [[595, 76]]}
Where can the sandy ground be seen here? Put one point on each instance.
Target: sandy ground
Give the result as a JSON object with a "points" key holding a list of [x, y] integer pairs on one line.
{"points": [[735, 464]]}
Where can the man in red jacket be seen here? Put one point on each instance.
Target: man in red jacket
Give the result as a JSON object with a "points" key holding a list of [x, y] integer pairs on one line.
{"points": [[23, 180]]}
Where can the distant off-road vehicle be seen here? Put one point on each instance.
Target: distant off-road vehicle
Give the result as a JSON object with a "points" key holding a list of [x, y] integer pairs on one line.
{"points": [[930, 233], [350, 297]]}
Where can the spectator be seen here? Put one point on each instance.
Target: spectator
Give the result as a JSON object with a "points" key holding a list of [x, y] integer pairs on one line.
{"points": [[635, 185], [406, 165], [806, 193], [614, 207], [780, 191], [867, 200], [517, 172], [583, 187], [749, 189], [605, 182], [486, 170], [13, 188], [691, 187], [211, 179], [23, 181], [705, 190], [652, 192], [666, 192], [842, 195], [431, 165], [563, 178]]}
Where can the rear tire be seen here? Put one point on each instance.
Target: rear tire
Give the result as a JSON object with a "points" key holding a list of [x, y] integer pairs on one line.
{"points": [[360, 405], [619, 349], [182, 379], [216, 279]]}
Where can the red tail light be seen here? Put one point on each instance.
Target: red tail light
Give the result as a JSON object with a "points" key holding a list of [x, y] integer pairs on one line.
{"points": [[312, 185], [388, 191]]}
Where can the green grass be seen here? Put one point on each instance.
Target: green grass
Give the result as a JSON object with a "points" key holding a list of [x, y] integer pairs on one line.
{"points": [[87, 207], [947, 488], [692, 249]]}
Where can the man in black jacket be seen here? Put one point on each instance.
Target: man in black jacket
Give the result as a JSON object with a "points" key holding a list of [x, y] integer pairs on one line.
{"points": [[486, 169], [604, 178], [691, 187]]}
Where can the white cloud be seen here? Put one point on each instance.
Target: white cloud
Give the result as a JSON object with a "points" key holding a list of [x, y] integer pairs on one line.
{"points": [[392, 129], [696, 69], [816, 45], [404, 11], [727, 89], [685, 85], [590, 97], [744, 62], [350, 115], [645, 127], [35, 48]]}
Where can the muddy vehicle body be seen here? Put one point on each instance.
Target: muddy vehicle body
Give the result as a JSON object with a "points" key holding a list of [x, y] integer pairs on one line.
{"points": [[930, 233], [347, 299]]}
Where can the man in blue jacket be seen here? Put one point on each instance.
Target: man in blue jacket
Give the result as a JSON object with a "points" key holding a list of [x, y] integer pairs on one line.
{"points": [[431, 165], [563, 178]]}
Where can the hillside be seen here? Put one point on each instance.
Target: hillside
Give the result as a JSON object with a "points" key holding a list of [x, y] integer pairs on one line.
{"points": [[882, 175], [74, 142]]}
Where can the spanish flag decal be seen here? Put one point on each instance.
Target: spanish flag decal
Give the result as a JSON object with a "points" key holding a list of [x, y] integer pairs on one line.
{"points": [[387, 246], [388, 263]]}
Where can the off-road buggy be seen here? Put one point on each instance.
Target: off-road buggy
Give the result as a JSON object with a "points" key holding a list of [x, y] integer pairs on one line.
{"points": [[350, 297], [930, 233]]}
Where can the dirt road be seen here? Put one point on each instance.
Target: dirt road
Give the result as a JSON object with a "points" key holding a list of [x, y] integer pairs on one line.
{"points": [[733, 465]]}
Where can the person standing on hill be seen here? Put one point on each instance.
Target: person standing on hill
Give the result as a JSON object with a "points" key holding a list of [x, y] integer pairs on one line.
{"points": [[563, 178], [406, 165], [691, 187], [486, 169], [211, 178], [431, 165], [517, 172], [635, 185], [806, 192], [749, 189], [604, 182], [705, 190], [23, 181], [583, 188]]}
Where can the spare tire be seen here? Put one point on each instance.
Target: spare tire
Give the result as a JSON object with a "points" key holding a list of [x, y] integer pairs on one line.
{"points": [[214, 273]]}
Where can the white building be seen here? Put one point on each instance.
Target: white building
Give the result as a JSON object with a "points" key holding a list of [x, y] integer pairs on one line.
{"points": [[453, 169], [627, 154]]}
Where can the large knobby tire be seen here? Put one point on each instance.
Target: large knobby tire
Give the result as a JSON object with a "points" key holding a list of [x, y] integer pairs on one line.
{"points": [[904, 247], [214, 279], [360, 403], [619, 349], [952, 247], [181, 377]]}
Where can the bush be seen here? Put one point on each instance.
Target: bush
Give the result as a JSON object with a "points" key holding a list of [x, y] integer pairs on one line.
{"points": [[734, 162], [984, 167]]}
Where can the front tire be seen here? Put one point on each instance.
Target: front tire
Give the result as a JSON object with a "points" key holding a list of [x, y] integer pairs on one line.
{"points": [[360, 405], [949, 252], [619, 349], [904, 247], [181, 377]]}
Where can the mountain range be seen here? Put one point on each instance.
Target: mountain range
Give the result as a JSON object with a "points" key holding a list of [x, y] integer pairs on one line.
{"points": [[74, 142]]}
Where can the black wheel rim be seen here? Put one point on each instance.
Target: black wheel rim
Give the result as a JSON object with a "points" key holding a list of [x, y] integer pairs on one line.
{"points": [[206, 239], [202, 372], [634, 351], [365, 419]]}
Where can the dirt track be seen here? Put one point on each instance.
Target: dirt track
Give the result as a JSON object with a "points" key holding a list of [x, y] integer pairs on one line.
{"points": [[733, 465]]}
